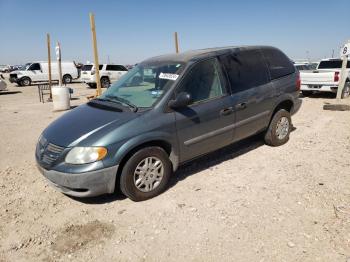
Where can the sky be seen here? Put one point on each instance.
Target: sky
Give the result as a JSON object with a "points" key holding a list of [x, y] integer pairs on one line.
{"points": [[131, 31]]}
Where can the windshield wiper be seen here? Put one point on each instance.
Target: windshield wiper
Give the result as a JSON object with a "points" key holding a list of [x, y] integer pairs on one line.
{"points": [[122, 101]]}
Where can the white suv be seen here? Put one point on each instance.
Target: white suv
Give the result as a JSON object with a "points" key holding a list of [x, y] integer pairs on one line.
{"points": [[108, 74]]}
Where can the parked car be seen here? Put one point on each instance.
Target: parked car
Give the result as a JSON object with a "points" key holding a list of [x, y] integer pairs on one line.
{"points": [[4, 68], [325, 78], [39, 72], [108, 73], [140, 130]]}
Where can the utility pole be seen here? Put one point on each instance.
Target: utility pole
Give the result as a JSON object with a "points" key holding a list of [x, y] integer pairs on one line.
{"points": [[176, 43], [58, 54], [49, 61], [94, 43]]}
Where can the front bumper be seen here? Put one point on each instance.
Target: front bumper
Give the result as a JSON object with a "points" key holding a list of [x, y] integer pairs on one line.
{"points": [[86, 184]]}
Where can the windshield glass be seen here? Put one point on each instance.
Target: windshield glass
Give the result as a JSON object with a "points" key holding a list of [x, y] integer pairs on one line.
{"points": [[145, 84], [25, 67]]}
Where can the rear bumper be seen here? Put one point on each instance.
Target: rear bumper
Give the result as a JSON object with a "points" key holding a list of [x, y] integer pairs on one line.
{"points": [[87, 184], [320, 88]]}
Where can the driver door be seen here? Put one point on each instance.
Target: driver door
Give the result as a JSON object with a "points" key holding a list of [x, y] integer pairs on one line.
{"points": [[207, 123]]}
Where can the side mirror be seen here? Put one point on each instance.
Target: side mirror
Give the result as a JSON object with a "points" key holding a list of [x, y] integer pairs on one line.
{"points": [[183, 99]]}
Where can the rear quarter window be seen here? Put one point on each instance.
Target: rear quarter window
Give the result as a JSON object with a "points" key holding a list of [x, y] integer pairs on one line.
{"points": [[278, 63], [116, 68], [245, 69]]}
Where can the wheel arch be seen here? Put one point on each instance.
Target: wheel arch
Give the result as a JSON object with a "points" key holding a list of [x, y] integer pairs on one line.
{"points": [[284, 103], [131, 147]]}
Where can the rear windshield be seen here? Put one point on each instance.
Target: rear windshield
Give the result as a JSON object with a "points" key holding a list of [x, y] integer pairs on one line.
{"points": [[332, 64]]}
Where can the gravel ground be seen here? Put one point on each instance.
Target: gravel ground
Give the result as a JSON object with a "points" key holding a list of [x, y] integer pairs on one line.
{"points": [[247, 202]]}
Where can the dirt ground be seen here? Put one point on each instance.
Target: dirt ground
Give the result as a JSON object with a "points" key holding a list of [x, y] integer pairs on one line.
{"points": [[247, 202]]}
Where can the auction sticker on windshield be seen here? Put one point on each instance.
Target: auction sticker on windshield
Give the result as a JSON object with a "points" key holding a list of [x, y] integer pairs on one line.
{"points": [[168, 76]]}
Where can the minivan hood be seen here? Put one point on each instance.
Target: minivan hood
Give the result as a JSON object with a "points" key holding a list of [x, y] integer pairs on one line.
{"points": [[82, 122]]}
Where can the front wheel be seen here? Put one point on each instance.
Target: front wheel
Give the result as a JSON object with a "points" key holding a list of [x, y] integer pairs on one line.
{"points": [[279, 129], [25, 81], [105, 82], [145, 174]]}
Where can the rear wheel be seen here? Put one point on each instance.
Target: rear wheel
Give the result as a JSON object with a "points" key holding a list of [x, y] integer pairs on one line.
{"points": [[346, 90], [67, 79], [279, 129], [25, 81], [306, 93], [145, 174]]}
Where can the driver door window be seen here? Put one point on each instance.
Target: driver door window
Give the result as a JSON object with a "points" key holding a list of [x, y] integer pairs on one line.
{"points": [[204, 82], [35, 67]]}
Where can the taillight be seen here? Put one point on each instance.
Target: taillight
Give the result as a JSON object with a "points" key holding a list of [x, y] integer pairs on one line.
{"points": [[298, 82], [336, 76]]}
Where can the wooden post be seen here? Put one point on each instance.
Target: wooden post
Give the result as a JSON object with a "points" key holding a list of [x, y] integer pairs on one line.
{"points": [[176, 43], [49, 62], [94, 43]]}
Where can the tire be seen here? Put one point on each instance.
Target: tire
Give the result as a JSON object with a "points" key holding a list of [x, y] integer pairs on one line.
{"points": [[346, 90], [92, 85], [129, 177], [105, 82], [279, 129], [67, 79], [306, 93], [25, 81]]}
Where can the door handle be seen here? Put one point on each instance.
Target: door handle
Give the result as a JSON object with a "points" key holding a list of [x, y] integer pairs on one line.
{"points": [[241, 106], [226, 111]]}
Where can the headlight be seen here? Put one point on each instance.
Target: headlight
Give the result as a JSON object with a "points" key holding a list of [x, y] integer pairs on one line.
{"points": [[84, 155]]}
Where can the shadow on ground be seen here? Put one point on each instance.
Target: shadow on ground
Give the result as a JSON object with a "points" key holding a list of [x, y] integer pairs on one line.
{"points": [[9, 92], [205, 162], [318, 95]]}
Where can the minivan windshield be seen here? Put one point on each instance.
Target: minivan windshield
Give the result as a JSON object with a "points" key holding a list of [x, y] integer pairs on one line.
{"points": [[145, 84]]}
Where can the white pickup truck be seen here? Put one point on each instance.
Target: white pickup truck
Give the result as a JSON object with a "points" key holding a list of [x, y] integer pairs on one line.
{"points": [[325, 78]]}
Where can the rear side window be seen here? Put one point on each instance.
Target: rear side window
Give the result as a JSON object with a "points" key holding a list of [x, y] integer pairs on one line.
{"points": [[116, 68], [35, 66], [278, 63], [245, 69], [89, 67], [86, 68], [332, 64]]}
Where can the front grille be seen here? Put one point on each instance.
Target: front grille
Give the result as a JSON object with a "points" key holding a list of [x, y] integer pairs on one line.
{"points": [[48, 153]]}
